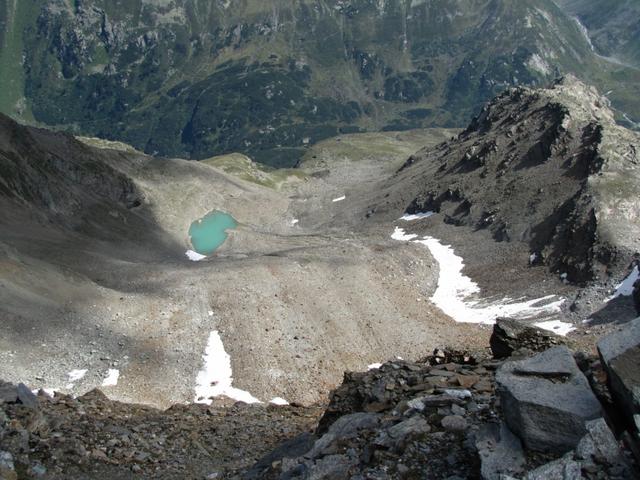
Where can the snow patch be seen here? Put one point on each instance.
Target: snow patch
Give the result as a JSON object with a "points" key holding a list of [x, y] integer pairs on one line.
{"points": [[537, 63], [278, 401], [456, 293], [625, 288], [585, 33], [194, 256], [374, 366], [49, 392], [294, 221], [556, 326], [339, 199], [410, 217], [215, 378], [75, 375], [111, 380]]}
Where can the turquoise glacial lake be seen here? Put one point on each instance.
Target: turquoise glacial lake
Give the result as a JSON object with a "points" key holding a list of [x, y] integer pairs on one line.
{"points": [[208, 233]]}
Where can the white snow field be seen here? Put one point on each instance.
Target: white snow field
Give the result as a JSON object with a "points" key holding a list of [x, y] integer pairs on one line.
{"points": [[194, 256], [215, 379], [410, 217], [456, 294], [625, 288]]}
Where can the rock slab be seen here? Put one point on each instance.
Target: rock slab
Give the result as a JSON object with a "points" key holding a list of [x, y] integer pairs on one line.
{"points": [[546, 400], [620, 354], [500, 452], [511, 335]]}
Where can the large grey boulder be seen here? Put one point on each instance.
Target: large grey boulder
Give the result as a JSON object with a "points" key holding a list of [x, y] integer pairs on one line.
{"points": [[546, 400], [620, 354], [598, 451], [565, 468], [599, 445], [510, 335], [500, 452]]}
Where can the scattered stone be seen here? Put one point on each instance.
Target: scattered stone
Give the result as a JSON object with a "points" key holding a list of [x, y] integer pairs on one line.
{"points": [[620, 354], [467, 381], [459, 394], [564, 468], [511, 336], [396, 436], [454, 423], [546, 400], [500, 452]]}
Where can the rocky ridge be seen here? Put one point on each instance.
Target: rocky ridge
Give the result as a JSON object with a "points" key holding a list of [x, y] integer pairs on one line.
{"points": [[548, 168]]}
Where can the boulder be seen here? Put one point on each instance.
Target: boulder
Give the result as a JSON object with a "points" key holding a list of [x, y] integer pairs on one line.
{"points": [[599, 446], [26, 396], [344, 428], [546, 400], [7, 469], [8, 392], [397, 435], [511, 335], [500, 452], [620, 354], [565, 468], [454, 423], [597, 452]]}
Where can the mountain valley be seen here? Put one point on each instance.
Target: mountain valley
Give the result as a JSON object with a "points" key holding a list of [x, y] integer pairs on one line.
{"points": [[319, 239]]}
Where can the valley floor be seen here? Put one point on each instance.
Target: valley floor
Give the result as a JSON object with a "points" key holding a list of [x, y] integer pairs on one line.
{"points": [[310, 285]]}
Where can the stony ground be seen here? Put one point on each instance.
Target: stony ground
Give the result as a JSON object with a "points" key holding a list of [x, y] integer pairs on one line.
{"points": [[295, 304], [93, 437]]}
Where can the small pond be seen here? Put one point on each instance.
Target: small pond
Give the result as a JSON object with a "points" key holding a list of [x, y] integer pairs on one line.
{"points": [[209, 232]]}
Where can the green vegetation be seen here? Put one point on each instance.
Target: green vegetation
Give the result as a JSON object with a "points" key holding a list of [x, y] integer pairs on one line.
{"points": [[243, 167], [269, 78], [15, 17]]}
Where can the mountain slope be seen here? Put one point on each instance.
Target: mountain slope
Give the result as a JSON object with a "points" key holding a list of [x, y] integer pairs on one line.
{"points": [[548, 168], [613, 27], [266, 78]]}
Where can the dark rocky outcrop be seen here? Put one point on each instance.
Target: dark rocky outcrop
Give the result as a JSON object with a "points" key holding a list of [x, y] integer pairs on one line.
{"points": [[57, 176], [549, 168], [546, 400], [510, 335]]}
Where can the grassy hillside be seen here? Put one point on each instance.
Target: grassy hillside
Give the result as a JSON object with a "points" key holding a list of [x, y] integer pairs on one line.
{"points": [[614, 26], [15, 17], [269, 78]]}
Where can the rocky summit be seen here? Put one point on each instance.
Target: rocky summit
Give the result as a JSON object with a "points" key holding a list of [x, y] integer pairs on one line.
{"points": [[319, 240]]}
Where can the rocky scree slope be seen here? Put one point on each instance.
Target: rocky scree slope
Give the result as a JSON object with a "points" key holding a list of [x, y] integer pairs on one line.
{"points": [[192, 79], [450, 415], [55, 175], [546, 167]]}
